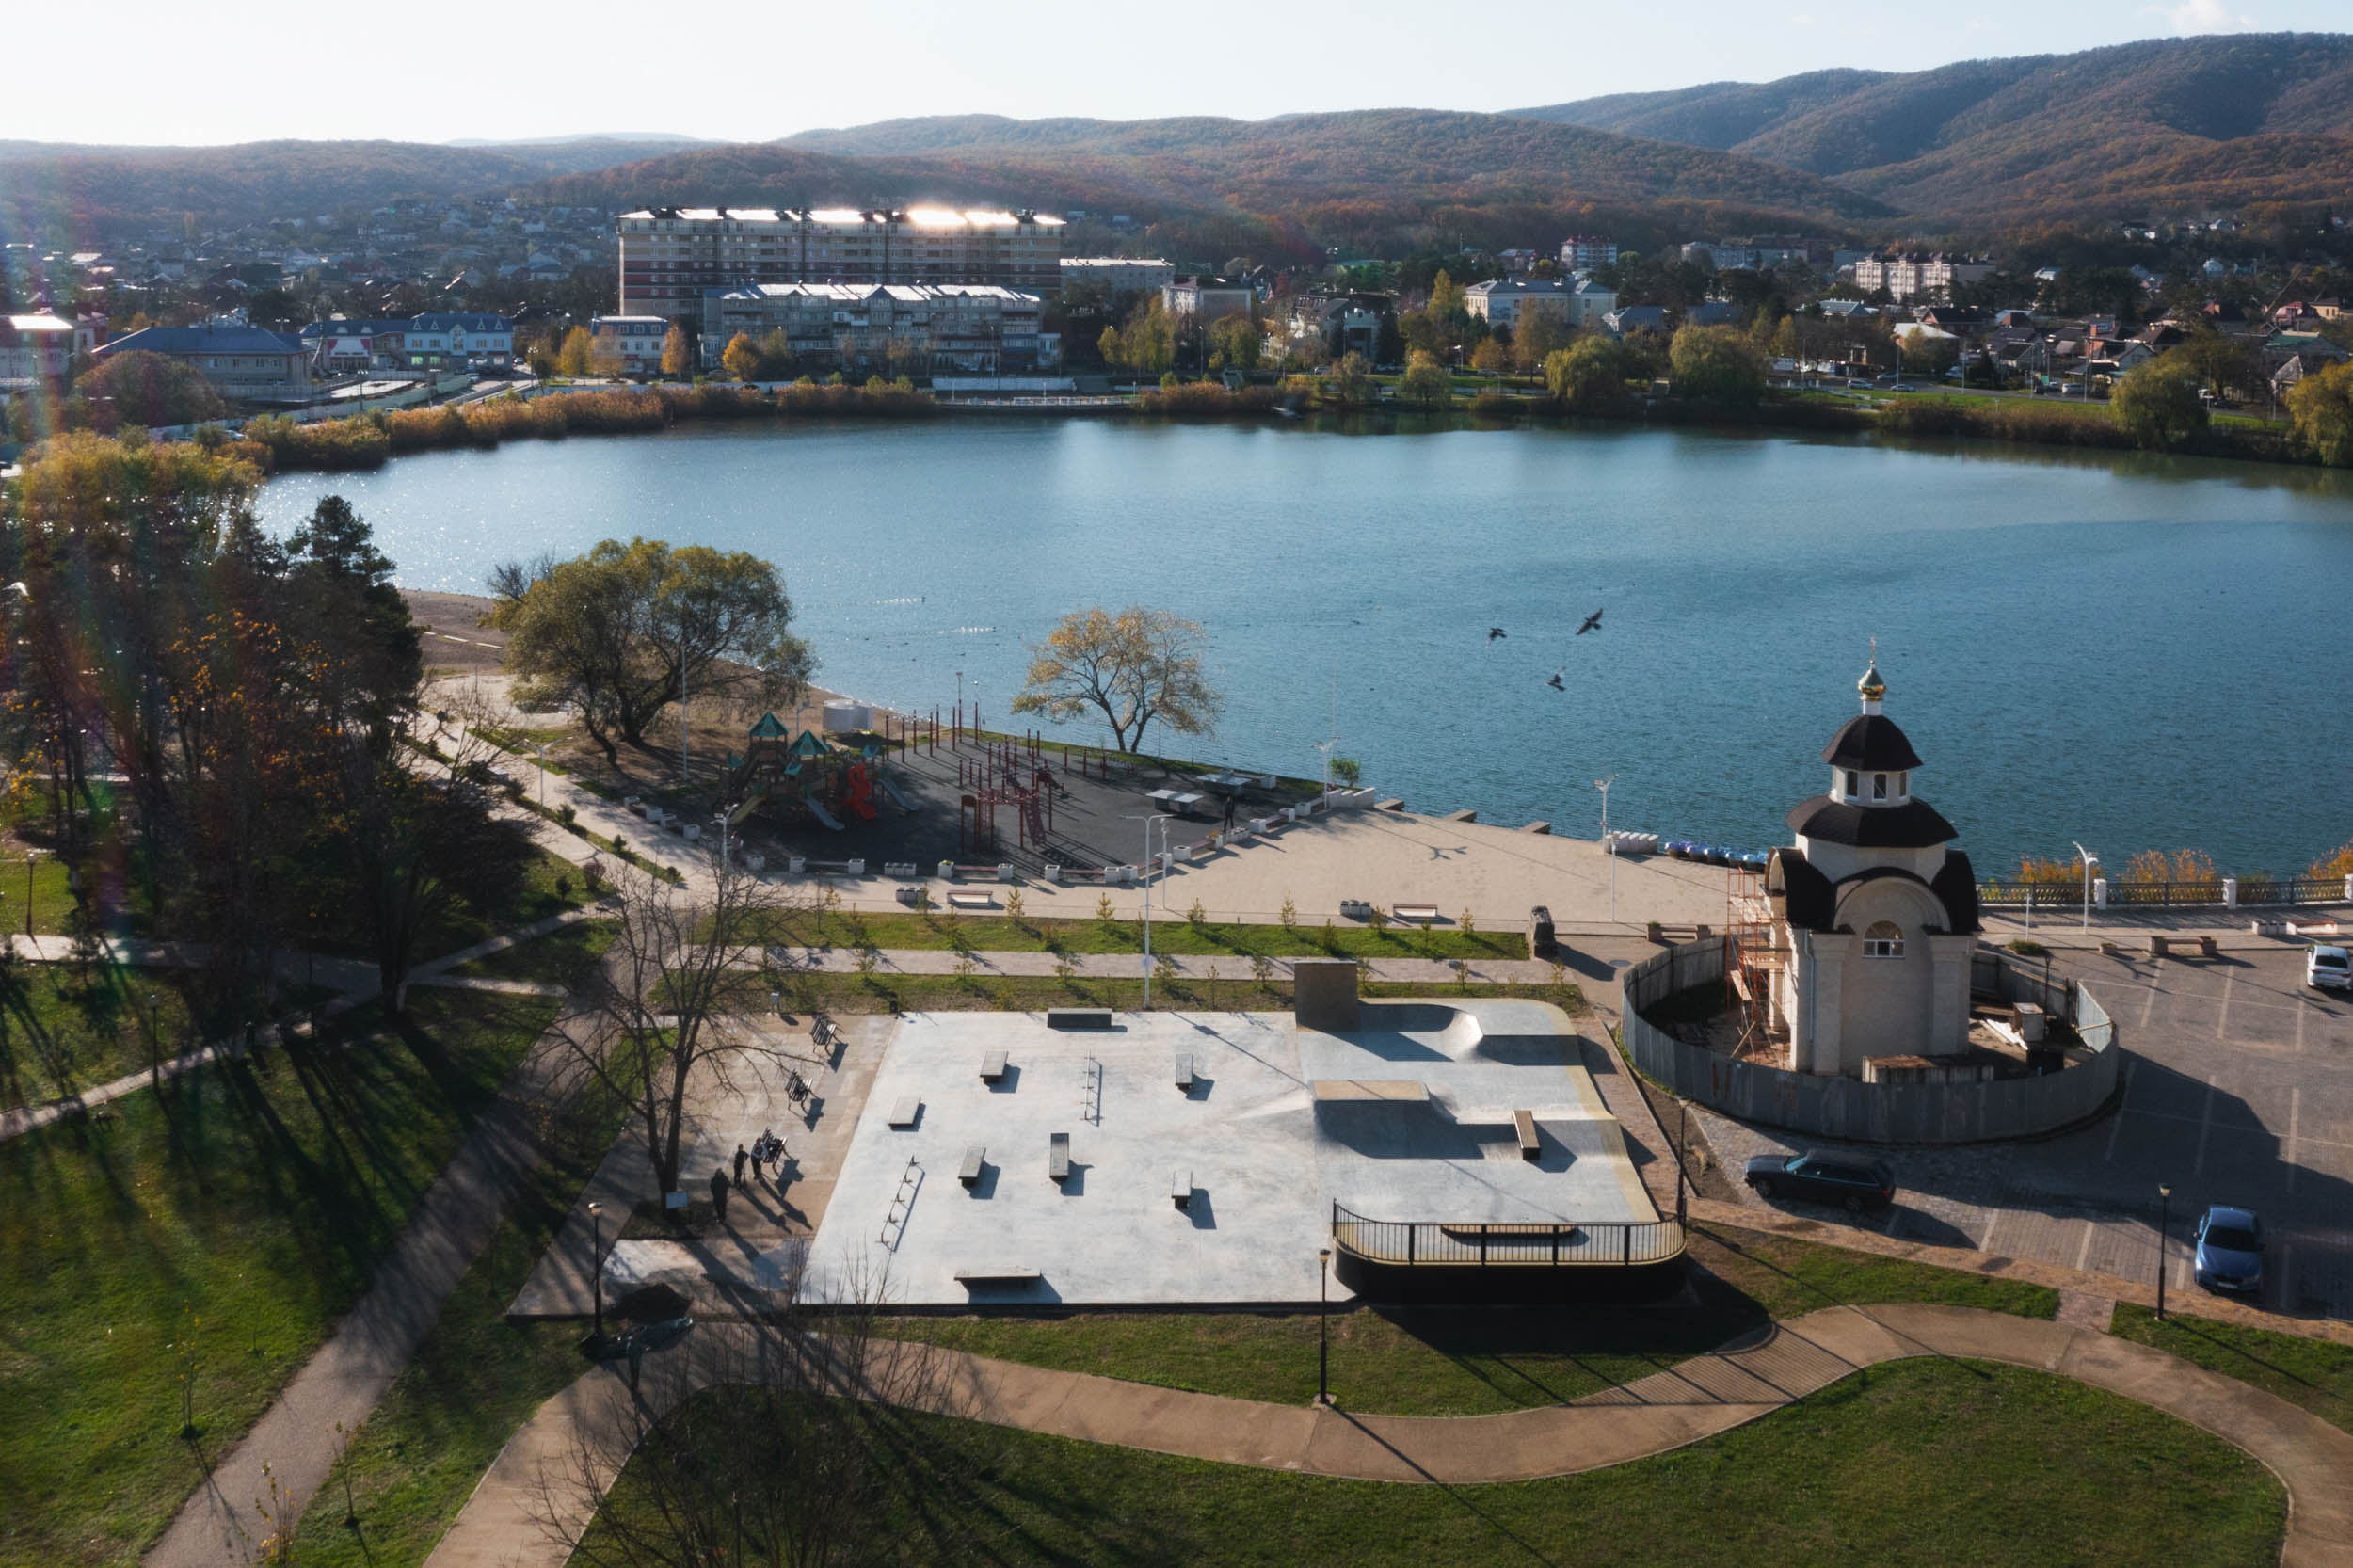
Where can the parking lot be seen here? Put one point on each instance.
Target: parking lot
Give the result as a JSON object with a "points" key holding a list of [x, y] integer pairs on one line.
{"points": [[2238, 1088]]}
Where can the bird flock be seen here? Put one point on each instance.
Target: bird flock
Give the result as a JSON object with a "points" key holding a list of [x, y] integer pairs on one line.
{"points": [[1592, 623]]}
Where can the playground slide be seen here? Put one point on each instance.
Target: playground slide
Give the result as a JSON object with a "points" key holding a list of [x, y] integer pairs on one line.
{"points": [[862, 797], [892, 790], [817, 809], [751, 804]]}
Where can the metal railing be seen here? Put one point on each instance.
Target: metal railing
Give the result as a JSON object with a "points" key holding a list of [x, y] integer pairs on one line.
{"points": [[2060, 897], [1480, 1244]]}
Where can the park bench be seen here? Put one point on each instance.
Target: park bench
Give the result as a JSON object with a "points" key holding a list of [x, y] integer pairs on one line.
{"points": [[1184, 1073], [997, 1276], [969, 1173], [1058, 1156], [1524, 1124], [905, 1112], [1427, 914], [1180, 1189], [1078, 1018], [993, 1066], [969, 900]]}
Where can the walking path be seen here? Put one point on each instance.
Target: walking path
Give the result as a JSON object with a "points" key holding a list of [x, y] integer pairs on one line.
{"points": [[344, 1378], [359, 981], [500, 1525]]}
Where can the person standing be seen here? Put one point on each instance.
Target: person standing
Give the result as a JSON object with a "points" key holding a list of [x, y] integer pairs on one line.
{"points": [[1229, 813], [743, 1156], [719, 1193]]}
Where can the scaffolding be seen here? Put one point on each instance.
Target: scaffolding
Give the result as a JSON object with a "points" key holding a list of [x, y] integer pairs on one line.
{"points": [[1756, 959]]}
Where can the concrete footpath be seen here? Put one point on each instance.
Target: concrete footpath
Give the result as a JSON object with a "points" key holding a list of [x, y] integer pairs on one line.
{"points": [[504, 1523]]}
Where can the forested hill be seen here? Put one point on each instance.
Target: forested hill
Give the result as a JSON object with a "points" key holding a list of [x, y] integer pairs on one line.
{"points": [[2160, 126], [64, 191], [1365, 177]]}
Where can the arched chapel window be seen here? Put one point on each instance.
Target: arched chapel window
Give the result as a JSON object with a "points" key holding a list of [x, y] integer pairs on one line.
{"points": [[1884, 939]]}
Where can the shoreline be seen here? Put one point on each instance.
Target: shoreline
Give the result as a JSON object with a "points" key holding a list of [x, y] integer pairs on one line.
{"points": [[365, 442]]}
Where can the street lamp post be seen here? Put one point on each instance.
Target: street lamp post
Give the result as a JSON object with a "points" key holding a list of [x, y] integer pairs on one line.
{"points": [[154, 1046], [1156, 817], [2165, 1207], [2090, 861], [1608, 847], [1324, 1325], [543, 775], [595, 1275]]}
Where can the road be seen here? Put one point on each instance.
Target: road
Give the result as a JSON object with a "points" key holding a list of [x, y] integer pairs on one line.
{"points": [[2238, 1088]]}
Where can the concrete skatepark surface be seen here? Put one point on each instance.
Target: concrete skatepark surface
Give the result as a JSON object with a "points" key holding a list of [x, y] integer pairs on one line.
{"points": [[1280, 1123]]}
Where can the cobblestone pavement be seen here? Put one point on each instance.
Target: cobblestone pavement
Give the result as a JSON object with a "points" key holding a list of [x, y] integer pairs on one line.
{"points": [[2238, 1088]]}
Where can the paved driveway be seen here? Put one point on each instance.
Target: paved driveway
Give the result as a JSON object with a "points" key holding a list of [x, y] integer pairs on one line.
{"points": [[2238, 1087]]}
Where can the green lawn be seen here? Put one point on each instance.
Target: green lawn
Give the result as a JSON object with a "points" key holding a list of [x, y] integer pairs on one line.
{"points": [[1927, 1463], [1171, 933], [2314, 1373], [1434, 1361], [562, 956], [236, 1214], [52, 899], [63, 1027], [474, 1380]]}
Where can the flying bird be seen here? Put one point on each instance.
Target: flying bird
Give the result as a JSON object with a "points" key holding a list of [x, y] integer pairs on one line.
{"points": [[1555, 682], [1494, 631], [1592, 623]]}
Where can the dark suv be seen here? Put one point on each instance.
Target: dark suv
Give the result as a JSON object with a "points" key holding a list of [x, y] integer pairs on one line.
{"points": [[1858, 1184]]}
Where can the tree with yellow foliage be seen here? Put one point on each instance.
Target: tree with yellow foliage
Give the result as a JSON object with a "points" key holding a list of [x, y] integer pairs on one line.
{"points": [[677, 359], [1132, 668]]}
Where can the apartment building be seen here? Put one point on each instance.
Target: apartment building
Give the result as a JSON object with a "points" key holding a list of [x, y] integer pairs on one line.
{"points": [[1584, 252], [35, 347], [436, 340], [1205, 299], [630, 344], [1117, 277], [1508, 301], [1916, 276], [671, 256], [917, 329]]}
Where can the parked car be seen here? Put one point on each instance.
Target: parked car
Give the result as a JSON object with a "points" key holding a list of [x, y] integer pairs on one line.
{"points": [[1857, 1184], [2328, 968], [2230, 1253]]}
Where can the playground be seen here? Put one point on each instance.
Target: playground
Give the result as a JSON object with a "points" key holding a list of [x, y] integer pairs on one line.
{"points": [[891, 790]]}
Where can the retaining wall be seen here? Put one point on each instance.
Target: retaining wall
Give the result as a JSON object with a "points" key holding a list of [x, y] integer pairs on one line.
{"points": [[1846, 1107]]}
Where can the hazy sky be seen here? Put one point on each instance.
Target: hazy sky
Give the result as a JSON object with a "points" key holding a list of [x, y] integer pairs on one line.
{"points": [[752, 73]]}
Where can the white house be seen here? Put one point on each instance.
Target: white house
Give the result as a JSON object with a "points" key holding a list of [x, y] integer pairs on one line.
{"points": [[1507, 301], [1878, 916]]}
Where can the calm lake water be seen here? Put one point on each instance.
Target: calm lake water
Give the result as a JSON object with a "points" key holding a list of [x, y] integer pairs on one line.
{"points": [[2133, 652]]}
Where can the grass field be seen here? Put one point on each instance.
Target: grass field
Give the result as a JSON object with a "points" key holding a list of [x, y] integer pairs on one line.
{"points": [[1927, 1463], [168, 1262], [2314, 1373], [63, 1027], [1473, 1361], [474, 1380], [1171, 933]]}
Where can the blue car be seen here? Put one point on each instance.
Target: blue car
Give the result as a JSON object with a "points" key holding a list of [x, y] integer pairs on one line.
{"points": [[2230, 1252]]}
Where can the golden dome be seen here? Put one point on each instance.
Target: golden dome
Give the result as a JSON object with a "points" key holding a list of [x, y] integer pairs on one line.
{"points": [[1871, 686]]}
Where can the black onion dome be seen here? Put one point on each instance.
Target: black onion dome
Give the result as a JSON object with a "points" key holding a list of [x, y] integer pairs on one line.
{"points": [[1914, 825], [1871, 743]]}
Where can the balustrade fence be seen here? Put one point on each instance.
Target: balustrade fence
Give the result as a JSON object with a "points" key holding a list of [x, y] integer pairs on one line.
{"points": [[2238, 893], [1506, 1244]]}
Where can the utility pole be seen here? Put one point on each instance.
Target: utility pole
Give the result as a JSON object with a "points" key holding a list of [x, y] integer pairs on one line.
{"points": [[1608, 847], [2090, 861]]}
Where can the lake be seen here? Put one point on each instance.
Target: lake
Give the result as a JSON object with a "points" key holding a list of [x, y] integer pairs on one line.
{"points": [[2135, 652]]}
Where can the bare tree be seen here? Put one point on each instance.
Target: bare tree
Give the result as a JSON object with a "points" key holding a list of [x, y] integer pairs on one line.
{"points": [[679, 959], [798, 1441]]}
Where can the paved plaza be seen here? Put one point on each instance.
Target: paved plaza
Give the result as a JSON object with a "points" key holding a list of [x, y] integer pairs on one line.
{"points": [[2238, 1088], [1406, 1118]]}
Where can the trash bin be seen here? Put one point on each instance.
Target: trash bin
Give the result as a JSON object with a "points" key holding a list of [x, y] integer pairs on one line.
{"points": [[1541, 943]]}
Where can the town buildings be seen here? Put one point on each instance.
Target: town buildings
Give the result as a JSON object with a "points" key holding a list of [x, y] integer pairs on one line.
{"points": [[893, 330], [436, 340], [1509, 302], [669, 256], [1203, 298], [1337, 325], [244, 363]]}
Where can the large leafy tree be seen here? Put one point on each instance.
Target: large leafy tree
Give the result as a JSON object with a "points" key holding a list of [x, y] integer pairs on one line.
{"points": [[1132, 669], [1717, 365], [2321, 408], [2157, 404], [619, 633], [1591, 373], [139, 388]]}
